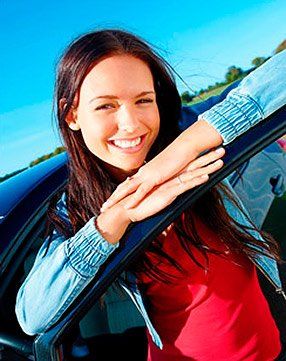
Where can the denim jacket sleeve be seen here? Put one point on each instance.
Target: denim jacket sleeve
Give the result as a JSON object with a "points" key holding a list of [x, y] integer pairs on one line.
{"points": [[256, 97], [189, 114], [60, 272], [243, 104]]}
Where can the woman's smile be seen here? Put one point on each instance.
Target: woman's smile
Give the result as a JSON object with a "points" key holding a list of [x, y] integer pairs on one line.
{"points": [[128, 146]]}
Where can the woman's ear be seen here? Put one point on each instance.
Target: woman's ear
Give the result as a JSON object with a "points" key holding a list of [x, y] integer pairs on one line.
{"points": [[71, 117]]}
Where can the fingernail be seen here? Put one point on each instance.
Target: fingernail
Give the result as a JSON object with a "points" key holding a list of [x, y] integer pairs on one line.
{"points": [[204, 176], [219, 150], [105, 206]]}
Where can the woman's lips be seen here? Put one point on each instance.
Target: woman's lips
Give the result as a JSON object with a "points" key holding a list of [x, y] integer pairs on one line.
{"points": [[131, 149]]}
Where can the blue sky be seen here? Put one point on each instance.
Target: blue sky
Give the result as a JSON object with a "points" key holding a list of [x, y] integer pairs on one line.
{"points": [[200, 39]]}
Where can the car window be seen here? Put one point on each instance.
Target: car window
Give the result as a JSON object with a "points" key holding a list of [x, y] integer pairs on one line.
{"points": [[259, 180], [112, 320], [275, 225], [16, 272], [275, 221]]}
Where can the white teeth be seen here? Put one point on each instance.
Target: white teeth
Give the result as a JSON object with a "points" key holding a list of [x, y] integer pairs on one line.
{"points": [[127, 143]]}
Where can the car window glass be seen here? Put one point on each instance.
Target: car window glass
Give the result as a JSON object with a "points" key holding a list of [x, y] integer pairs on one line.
{"points": [[275, 225], [112, 329], [18, 270]]}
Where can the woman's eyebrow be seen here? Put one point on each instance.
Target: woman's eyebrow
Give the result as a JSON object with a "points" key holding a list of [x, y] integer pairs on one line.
{"points": [[107, 96]]}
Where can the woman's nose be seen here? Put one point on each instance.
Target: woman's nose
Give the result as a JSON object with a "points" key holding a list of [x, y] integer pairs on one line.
{"points": [[128, 119]]}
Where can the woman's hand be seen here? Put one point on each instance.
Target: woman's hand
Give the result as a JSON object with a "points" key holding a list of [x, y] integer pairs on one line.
{"points": [[113, 221], [199, 137], [194, 174]]}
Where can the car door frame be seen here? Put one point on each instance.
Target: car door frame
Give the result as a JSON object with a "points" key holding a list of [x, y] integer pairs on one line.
{"points": [[47, 346]]}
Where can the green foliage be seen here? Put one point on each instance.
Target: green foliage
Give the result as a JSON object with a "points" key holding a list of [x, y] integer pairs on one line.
{"points": [[57, 151], [205, 94], [44, 157], [259, 60], [7, 176], [187, 97], [233, 73], [280, 47]]}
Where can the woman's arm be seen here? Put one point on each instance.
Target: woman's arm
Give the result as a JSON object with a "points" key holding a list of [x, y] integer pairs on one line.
{"points": [[62, 270], [257, 96], [190, 113], [59, 274]]}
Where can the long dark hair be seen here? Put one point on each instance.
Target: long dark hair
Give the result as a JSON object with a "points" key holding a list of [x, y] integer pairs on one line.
{"points": [[89, 183]]}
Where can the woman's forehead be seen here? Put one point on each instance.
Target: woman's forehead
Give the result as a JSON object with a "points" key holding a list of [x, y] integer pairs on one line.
{"points": [[116, 74]]}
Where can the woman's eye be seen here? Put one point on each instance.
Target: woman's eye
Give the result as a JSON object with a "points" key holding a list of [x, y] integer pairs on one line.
{"points": [[145, 100], [105, 107]]}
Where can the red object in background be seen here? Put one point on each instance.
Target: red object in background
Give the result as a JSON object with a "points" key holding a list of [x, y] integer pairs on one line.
{"points": [[282, 143]]}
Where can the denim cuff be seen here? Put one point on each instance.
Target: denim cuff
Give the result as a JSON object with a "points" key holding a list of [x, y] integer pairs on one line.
{"points": [[87, 250], [233, 116]]}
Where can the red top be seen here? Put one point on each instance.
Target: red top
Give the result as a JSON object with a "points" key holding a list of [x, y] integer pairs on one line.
{"points": [[220, 315]]}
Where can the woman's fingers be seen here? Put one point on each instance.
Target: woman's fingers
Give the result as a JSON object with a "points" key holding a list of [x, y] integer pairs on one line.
{"points": [[206, 159], [196, 168], [142, 183], [123, 189], [140, 193], [208, 169], [179, 184], [162, 196]]}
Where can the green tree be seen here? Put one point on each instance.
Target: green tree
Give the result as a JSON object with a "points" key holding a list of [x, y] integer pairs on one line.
{"points": [[187, 97], [259, 60], [233, 73], [58, 150], [44, 157], [280, 47]]}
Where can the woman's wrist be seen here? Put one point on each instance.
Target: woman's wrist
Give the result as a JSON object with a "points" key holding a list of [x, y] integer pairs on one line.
{"points": [[202, 136], [113, 223]]}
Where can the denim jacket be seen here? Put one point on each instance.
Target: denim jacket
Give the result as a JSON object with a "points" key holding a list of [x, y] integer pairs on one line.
{"points": [[60, 273]]}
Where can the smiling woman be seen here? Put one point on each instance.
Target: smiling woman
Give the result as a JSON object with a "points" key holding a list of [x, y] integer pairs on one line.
{"points": [[118, 107], [117, 113]]}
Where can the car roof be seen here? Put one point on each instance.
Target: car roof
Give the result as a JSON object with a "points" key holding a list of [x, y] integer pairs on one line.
{"points": [[15, 189]]}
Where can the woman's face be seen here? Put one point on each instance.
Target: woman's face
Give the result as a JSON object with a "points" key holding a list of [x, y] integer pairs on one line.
{"points": [[117, 113]]}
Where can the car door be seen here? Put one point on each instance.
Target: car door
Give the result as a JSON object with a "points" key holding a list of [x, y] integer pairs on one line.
{"points": [[23, 205], [56, 343]]}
